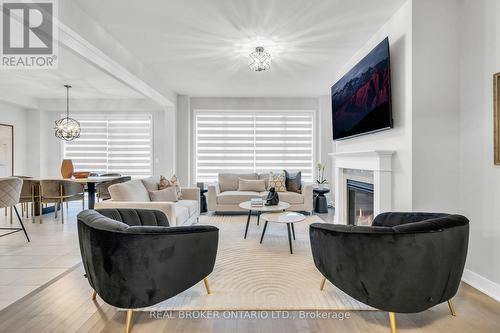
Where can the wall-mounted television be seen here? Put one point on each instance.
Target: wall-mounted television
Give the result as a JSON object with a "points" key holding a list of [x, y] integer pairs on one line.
{"points": [[361, 99]]}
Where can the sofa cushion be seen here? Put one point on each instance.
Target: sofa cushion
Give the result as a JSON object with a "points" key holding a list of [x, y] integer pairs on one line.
{"points": [[172, 182], [168, 194], [151, 183], [133, 190], [293, 181], [236, 197], [265, 176], [258, 185], [278, 181], [293, 198], [229, 181], [190, 205]]}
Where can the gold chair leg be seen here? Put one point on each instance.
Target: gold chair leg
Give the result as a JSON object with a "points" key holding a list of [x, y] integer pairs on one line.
{"points": [[129, 321], [55, 210], [62, 212], [322, 284], [94, 295], [452, 308], [10, 214], [207, 287], [40, 204], [392, 319]]}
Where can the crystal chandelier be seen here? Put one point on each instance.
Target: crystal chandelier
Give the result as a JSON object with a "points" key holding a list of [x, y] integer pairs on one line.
{"points": [[67, 128], [260, 60]]}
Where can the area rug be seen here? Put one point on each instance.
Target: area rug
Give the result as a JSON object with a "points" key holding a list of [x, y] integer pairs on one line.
{"points": [[253, 276]]}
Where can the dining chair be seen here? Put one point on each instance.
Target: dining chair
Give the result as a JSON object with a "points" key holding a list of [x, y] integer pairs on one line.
{"points": [[10, 191], [102, 188], [29, 194], [59, 192], [24, 204]]}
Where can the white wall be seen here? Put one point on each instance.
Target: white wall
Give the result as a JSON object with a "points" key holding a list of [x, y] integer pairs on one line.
{"points": [[183, 139], [14, 115], [399, 139], [479, 178], [435, 105], [326, 140]]}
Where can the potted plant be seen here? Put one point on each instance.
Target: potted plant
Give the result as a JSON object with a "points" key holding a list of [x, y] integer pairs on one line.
{"points": [[321, 180]]}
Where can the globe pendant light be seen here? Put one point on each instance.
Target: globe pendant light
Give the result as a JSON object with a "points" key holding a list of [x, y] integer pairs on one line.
{"points": [[67, 128]]}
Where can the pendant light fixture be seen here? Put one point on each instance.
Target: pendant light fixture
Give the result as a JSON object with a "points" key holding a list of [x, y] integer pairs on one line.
{"points": [[67, 128]]}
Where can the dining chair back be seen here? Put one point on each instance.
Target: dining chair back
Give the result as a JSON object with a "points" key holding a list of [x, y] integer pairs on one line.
{"points": [[10, 192]]}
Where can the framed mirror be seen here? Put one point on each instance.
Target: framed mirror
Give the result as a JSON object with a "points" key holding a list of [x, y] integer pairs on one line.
{"points": [[496, 117], [6, 150]]}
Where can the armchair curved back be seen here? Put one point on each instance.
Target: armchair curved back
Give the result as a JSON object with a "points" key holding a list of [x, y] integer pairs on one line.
{"points": [[133, 259], [10, 191], [404, 262]]}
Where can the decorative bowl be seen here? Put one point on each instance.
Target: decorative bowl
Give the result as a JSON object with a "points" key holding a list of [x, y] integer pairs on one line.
{"points": [[81, 174]]}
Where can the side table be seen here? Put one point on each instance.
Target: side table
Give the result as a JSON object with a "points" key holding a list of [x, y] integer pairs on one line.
{"points": [[203, 200], [320, 203]]}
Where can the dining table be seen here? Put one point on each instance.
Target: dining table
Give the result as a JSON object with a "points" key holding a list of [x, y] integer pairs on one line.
{"points": [[90, 182], [91, 185]]}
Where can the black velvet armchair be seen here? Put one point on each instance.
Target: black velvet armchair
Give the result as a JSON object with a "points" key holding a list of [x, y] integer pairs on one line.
{"points": [[133, 259], [404, 262]]}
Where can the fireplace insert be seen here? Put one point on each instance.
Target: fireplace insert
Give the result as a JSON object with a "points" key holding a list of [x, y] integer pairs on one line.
{"points": [[359, 202]]}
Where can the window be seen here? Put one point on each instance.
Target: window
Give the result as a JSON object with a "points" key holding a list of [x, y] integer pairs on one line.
{"points": [[113, 144], [253, 141]]}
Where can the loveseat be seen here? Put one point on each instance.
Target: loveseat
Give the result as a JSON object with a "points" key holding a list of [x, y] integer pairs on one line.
{"points": [[135, 194], [224, 196]]}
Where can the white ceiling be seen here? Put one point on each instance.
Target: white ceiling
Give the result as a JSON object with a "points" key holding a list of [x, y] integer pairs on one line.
{"points": [[200, 47], [87, 81]]}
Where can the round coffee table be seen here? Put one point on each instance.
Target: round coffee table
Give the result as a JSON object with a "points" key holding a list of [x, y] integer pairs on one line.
{"points": [[280, 207], [289, 218]]}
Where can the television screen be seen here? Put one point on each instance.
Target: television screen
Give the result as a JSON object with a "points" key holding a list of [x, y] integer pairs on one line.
{"points": [[361, 99]]}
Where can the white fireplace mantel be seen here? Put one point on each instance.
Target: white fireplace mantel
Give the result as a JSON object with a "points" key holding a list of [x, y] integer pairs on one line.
{"points": [[377, 161]]}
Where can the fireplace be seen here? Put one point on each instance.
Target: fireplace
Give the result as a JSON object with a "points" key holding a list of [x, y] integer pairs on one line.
{"points": [[359, 202]]}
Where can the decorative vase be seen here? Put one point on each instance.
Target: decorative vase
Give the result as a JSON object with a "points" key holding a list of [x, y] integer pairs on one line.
{"points": [[67, 168]]}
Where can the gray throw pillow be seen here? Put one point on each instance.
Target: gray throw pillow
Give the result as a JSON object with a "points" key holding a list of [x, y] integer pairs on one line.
{"points": [[168, 194], [252, 185], [293, 181]]}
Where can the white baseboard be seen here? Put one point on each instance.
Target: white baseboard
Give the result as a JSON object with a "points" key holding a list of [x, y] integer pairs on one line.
{"points": [[482, 284]]}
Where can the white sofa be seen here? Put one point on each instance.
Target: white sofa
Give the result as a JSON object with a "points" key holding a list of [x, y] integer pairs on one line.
{"points": [[224, 196], [135, 194]]}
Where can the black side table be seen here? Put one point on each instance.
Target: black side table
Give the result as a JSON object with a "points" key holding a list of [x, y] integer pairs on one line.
{"points": [[203, 200], [320, 203]]}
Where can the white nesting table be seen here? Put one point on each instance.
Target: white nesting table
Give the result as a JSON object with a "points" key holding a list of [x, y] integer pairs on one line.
{"points": [[280, 207], [289, 218]]}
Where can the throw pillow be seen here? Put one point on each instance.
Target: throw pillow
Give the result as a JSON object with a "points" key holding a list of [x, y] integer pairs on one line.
{"points": [[168, 194], [172, 182], [252, 185], [293, 181], [278, 181]]}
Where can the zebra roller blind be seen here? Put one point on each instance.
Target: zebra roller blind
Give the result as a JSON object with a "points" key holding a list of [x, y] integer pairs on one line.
{"points": [[113, 144], [251, 141]]}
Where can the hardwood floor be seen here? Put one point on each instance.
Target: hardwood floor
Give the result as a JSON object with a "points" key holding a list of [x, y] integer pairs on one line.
{"points": [[65, 305]]}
